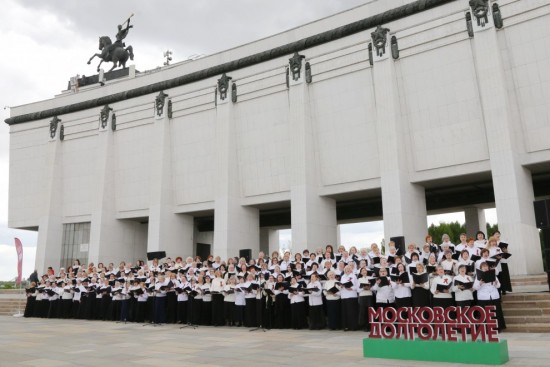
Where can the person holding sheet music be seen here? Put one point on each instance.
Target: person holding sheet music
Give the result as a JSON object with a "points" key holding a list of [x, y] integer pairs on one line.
{"points": [[229, 300], [182, 289], [465, 260], [333, 302], [486, 285], [159, 307], [316, 314], [366, 298], [473, 250], [385, 296], [441, 289], [463, 287], [480, 241], [282, 303], [297, 305], [411, 249], [449, 264], [433, 247], [485, 258], [206, 307], [504, 275], [402, 287], [348, 294], [217, 287], [463, 243], [446, 243], [420, 287], [250, 288]]}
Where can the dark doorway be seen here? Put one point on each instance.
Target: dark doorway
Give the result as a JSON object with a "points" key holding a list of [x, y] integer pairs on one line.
{"points": [[203, 250]]}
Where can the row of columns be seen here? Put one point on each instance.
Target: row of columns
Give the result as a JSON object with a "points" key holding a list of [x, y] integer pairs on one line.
{"points": [[313, 218]]}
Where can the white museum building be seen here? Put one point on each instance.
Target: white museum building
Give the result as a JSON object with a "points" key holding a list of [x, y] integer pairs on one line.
{"points": [[390, 111]]}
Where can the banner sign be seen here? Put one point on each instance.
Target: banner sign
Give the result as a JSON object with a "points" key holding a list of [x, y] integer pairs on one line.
{"points": [[19, 249], [438, 323]]}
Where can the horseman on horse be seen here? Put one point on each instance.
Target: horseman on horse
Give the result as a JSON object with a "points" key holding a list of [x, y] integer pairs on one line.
{"points": [[117, 52]]}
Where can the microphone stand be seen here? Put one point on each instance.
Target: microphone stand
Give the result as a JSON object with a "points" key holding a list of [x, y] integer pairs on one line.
{"points": [[259, 320]]}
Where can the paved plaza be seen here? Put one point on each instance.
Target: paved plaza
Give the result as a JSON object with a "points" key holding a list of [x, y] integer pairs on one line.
{"points": [[38, 342]]}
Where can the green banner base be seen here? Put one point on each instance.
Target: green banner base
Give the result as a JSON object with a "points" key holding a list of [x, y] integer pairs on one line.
{"points": [[437, 351]]}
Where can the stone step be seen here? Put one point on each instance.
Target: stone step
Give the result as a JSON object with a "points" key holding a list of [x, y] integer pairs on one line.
{"points": [[540, 296], [526, 311], [528, 328], [529, 279], [528, 320], [526, 304]]}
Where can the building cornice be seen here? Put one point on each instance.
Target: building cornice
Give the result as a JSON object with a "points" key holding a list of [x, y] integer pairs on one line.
{"points": [[215, 71]]}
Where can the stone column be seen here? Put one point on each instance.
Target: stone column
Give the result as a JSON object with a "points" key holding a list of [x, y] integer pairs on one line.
{"points": [[475, 221], [235, 226], [50, 233], [269, 240], [167, 231], [111, 240], [512, 183], [403, 203], [313, 218]]}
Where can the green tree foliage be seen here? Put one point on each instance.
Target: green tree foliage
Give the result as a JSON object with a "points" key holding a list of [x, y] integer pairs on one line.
{"points": [[453, 229], [491, 228]]}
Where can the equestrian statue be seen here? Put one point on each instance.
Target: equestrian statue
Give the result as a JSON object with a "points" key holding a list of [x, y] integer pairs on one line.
{"points": [[117, 52]]}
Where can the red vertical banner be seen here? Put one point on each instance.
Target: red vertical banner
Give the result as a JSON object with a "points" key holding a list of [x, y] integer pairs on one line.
{"points": [[19, 249]]}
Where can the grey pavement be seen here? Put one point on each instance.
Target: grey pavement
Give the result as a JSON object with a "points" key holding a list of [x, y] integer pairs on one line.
{"points": [[42, 342]]}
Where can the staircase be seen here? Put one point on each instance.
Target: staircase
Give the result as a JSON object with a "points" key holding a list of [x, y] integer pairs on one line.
{"points": [[9, 306], [527, 309]]}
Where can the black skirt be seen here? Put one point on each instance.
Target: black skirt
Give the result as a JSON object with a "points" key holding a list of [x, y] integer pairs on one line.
{"points": [[504, 278], [350, 313], [334, 314], [29, 307]]}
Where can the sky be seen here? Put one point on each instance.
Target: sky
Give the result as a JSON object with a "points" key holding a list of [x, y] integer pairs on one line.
{"points": [[44, 43]]}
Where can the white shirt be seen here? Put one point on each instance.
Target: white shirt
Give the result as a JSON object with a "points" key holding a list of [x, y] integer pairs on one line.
{"points": [[315, 298]]}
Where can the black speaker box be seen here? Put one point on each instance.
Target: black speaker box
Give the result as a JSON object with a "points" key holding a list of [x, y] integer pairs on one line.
{"points": [[247, 254], [156, 255], [399, 244]]}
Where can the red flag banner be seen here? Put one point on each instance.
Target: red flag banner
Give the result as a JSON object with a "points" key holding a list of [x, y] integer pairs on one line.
{"points": [[19, 249]]}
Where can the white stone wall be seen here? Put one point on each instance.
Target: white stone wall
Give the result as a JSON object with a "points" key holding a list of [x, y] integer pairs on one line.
{"points": [[401, 123]]}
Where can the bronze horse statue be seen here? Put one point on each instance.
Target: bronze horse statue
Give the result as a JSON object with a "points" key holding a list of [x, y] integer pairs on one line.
{"points": [[116, 53]]}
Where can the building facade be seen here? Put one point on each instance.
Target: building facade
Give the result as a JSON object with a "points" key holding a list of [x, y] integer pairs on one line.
{"points": [[379, 112]]}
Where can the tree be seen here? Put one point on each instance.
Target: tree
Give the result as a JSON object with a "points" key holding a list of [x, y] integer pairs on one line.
{"points": [[491, 228], [453, 229]]}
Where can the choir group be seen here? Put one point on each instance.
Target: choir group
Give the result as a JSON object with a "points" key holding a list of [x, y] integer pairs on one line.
{"points": [[316, 290]]}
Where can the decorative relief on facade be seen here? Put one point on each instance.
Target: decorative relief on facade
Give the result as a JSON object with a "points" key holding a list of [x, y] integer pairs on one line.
{"points": [[379, 38], [309, 78], [160, 100], [394, 48], [497, 16], [62, 133], [223, 86], [234, 92], [104, 115], [480, 9], [113, 122], [169, 108], [295, 63], [469, 25], [53, 126], [371, 60]]}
